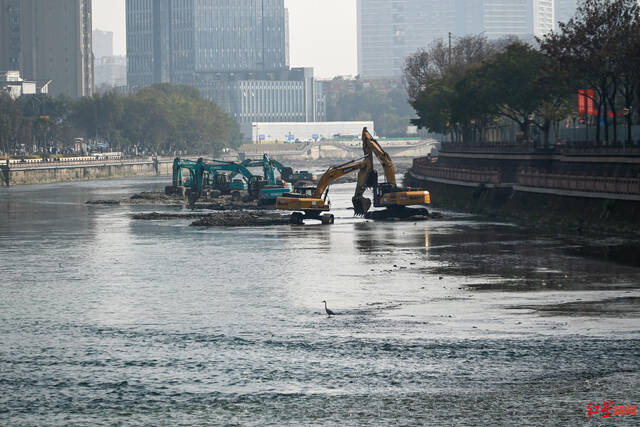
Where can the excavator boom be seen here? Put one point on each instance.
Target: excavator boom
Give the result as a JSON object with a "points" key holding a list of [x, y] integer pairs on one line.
{"points": [[388, 194], [313, 205], [370, 145]]}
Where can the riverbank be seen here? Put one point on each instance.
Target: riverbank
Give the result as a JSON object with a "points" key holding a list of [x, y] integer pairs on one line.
{"points": [[559, 191], [29, 175]]}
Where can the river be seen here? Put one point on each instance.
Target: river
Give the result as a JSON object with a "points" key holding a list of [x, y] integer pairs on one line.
{"points": [[455, 321]]}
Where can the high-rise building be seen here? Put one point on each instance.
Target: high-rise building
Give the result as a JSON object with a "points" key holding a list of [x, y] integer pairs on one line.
{"points": [[175, 40], [565, 10], [49, 40], [102, 43], [234, 51], [522, 18], [391, 30]]}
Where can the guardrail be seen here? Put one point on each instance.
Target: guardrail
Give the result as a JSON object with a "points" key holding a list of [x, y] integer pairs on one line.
{"points": [[487, 176], [531, 177], [571, 148], [70, 161], [487, 147]]}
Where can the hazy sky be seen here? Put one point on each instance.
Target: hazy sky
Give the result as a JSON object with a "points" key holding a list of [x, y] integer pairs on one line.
{"points": [[322, 33]]}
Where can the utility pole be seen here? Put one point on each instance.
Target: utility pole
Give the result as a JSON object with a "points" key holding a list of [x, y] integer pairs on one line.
{"points": [[449, 47]]}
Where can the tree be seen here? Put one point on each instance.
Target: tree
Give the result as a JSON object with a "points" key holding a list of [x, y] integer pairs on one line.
{"points": [[525, 88], [443, 88], [592, 47]]}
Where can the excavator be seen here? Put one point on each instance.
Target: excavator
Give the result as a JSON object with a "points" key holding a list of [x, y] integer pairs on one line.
{"points": [[287, 173], [179, 176], [218, 175], [311, 202], [387, 195]]}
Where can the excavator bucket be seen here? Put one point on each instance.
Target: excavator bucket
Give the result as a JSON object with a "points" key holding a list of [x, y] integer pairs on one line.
{"points": [[361, 205]]}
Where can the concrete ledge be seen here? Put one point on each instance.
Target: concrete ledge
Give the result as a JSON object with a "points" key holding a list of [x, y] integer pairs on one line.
{"points": [[461, 183], [572, 193]]}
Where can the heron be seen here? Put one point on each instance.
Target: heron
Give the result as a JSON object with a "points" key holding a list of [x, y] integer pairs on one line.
{"points": [[329, 312]]}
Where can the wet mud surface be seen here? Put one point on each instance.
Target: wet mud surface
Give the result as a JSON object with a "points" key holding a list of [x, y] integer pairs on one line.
{"points": [[109, 320], [614, 307]]}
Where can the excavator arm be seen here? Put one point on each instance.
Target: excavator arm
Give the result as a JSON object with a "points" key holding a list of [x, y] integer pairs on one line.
{"points": [[363, 165], [315, 204], [370, 145]]}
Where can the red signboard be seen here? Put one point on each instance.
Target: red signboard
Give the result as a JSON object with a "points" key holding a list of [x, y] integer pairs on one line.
{"points": [[581, 102], [590, 96]]}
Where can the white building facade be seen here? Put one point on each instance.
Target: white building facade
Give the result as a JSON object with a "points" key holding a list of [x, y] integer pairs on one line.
{"points": [[306, 131]]}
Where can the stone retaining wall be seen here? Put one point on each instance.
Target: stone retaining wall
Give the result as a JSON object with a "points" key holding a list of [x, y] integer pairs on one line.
{"points": [[46, 175]]}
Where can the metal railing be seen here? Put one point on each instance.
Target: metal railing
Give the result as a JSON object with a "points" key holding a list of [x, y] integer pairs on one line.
{"points": [[531, 177], [476, 175]]}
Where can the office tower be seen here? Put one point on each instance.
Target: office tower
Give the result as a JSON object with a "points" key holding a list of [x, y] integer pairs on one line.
{"points": [[174, 41], [287, 61], [391, 30], [565, 10], [525, 19], [233, 51], [102, 43], [49, 40]]}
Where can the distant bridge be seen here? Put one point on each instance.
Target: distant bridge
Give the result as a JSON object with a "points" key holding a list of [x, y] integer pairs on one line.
{"points": [[334, 149]]}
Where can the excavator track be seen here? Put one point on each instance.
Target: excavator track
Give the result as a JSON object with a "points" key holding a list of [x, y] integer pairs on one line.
{"points": [[397, 212]]}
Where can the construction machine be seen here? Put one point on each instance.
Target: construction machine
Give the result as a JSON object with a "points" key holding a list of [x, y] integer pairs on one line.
{"points": [[311, 202], [183, 172], [219, 175], [287, 173], [272, 188], [182, 178], [388, 195]]}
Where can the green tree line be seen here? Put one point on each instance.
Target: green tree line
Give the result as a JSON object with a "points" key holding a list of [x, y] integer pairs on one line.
{"points": [[161, 118], [467, 89]]}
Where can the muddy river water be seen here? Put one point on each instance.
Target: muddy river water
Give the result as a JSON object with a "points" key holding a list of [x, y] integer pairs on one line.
{"points": [[105, 319]]}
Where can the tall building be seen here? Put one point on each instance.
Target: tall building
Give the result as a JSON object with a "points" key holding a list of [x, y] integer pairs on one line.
{"points": [[49, 40], [176, 40], [234, 51], [522, 18], [102, 43], [565, 10], [391, 30]]}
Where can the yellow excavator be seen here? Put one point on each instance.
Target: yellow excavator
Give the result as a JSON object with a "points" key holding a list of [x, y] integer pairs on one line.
{"points": [[388, 194], [311, 202]]}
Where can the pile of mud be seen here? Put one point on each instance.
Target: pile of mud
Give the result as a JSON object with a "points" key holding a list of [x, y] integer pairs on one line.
{"points": [[222, 218], [241, 219], [103, 202], [224, 202], [153, 196]]}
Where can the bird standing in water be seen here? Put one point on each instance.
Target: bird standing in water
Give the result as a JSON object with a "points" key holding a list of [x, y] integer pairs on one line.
{"points": [[329, 312]]}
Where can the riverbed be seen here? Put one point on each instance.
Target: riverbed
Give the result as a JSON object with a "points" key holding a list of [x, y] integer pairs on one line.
{"points": [[106, 319]]}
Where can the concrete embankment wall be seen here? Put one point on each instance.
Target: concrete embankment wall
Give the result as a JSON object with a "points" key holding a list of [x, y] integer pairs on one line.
{"points": [[560, 209], [46, 175], [537, 207]]}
